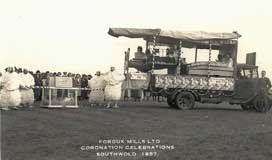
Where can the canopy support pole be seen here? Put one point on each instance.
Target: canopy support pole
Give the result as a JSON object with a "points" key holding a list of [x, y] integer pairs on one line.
{"points": [[209, 64], [210, 55], [153, 53], [179, 58], [126, 73], [126, 68], [195, 54]]}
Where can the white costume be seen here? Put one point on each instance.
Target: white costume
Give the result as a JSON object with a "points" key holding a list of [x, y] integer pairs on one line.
{"points": [[10, 95], [27, 94], [97, 86], [230, 63], [0, 89], [113, 85]]}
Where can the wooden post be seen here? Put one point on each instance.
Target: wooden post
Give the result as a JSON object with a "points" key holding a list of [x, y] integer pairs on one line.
{"points": [[128, 89], [43, 95], [50, 97], [76, 97]]}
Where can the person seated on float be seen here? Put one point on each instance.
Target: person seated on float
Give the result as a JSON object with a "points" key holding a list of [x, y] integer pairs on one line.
{"points": [[225, 59], [183, 61], [148, 54], [169, 53], [220, 57], [176, 52], [240, 73], [140, 55], [173, 52], [228, 60]]}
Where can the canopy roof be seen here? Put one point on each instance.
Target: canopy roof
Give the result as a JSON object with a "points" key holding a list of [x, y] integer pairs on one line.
{"points": [[190, 39], [133, 32]]}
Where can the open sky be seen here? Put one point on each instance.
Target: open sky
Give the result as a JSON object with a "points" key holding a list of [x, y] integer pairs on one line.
{"points": [[71, 35]]}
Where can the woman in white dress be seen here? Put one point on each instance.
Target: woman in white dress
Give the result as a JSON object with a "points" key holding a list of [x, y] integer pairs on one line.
{"points": [[27, 94], [10, 96], [113, 87], [97, 86]]}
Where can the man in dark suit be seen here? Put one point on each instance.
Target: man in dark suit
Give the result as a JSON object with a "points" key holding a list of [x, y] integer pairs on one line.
{"points": [[265, 83], [38, 83], [84, 84]]}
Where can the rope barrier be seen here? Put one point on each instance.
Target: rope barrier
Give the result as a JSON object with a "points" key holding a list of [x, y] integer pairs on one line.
{"points": [[72, 88]]}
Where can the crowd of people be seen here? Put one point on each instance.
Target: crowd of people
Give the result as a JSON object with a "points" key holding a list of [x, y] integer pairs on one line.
{"points": [[20, 87], [42, 79], [225, 58], [172, 52]]}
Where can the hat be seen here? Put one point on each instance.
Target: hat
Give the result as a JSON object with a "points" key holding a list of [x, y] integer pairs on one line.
{"points": [[98, 72], [10, 68]]}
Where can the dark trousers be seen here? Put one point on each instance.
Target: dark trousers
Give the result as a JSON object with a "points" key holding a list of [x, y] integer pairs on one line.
{"points": [[38, 94]]}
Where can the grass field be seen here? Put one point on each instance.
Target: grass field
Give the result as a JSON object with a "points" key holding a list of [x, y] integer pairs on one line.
{"points": [[212, 132]]}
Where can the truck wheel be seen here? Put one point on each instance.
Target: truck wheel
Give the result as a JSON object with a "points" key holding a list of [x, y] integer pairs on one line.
{"points": [[171, 102], [261, 104], [185, 100]]}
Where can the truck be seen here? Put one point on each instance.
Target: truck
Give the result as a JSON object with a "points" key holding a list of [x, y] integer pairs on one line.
{"points": [[184, 84]]}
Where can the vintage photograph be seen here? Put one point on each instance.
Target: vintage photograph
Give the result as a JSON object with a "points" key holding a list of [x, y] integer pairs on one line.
{"points": [[135, 80]]}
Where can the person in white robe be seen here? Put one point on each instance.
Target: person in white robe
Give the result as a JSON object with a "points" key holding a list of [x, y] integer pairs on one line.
{"points": [[113, 87], [26, 89], [0, 87], [10, 96], [97, 87], [0, 79]]}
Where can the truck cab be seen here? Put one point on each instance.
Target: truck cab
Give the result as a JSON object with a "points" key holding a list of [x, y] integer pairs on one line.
{"points": [[246, 82]]}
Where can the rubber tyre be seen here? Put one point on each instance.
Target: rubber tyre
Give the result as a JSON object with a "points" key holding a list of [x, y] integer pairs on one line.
{"points": [[261, 104], [185, 100]]}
